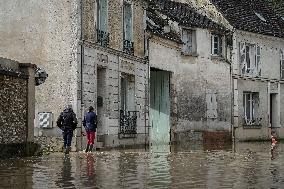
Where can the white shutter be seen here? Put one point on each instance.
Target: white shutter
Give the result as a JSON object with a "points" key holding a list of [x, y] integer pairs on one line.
{"points": [[242, 57], [258, 61]]}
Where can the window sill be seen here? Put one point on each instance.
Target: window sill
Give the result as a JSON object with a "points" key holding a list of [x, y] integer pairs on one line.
{"points": [[252, 126], [217, 57], [193, 54]]}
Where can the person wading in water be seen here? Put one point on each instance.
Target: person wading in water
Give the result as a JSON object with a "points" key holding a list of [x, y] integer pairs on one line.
{"points": [[67, 122], [90, 124]]}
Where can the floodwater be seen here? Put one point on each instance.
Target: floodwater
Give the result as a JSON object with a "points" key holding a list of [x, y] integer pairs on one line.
{"points": [[245, 165]]}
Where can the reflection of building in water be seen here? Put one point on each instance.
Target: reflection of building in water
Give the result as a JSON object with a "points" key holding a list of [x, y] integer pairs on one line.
{"points": [[159, 167]]}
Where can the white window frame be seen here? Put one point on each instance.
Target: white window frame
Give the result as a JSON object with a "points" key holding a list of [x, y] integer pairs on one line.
{"points": [[282, 64], [251, 102], [216, 39], [250, 59]]}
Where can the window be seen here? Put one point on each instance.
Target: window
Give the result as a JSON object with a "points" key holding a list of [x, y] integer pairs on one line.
{"points": [[127, 28], [189, 42], [250, 59], [102, 35], [216, 46], [128, 115], [127, 91], [282, 65], [251, 105]]}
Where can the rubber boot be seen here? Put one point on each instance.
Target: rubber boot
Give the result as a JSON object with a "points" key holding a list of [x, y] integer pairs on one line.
{"points": [[91, 148], [87, 149], [67, 150]]}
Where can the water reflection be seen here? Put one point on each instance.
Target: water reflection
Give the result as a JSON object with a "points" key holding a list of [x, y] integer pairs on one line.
{"points": [[248, 165], [65, 178]]}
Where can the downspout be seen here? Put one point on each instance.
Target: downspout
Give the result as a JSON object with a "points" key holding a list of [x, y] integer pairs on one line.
{"points": [[233, 92], [82, 61], [147, 53]]}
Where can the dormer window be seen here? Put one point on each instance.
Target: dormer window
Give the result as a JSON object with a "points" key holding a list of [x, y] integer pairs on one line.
{"points": [[216, 45], [260, 17]]}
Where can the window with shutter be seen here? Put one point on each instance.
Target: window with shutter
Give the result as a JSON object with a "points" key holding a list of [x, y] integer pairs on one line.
{"points": [[187, 41], [250, 61]]}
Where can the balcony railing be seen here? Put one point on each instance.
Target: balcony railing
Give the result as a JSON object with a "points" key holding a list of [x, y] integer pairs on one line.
{"points": [[102, 38], [128, 47], [128, 123], [252, 122]]}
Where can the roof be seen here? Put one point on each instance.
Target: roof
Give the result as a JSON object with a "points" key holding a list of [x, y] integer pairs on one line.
{"points": [[156, 25], [255, 16], [181, 13], [184, 14]]}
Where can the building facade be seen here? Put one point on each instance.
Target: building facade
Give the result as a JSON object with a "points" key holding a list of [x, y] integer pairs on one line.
{"points": [[257, 69], [190, 95], [114, 72], [93, 52]]}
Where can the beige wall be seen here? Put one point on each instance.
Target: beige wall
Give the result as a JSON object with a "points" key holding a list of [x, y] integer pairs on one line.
{"points": [[44, 32]]}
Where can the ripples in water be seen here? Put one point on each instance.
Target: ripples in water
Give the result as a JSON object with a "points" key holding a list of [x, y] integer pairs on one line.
{"points": [[248, 165]]}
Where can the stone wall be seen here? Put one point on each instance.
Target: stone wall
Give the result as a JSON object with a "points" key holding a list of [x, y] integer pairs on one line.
{"points": [[13, 108], [17, 97], [115, 24]]}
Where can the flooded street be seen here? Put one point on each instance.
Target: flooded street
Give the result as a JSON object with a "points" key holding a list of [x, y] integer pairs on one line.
{"points": [[247, 165]]}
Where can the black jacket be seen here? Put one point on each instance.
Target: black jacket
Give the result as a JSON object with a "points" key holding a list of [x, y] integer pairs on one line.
{"points": [[67, 120]]}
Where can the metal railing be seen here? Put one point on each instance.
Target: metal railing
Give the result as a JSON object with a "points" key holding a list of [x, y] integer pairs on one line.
{"points": [[128, 122], [102, 38], [252, 122], [128, 47]]}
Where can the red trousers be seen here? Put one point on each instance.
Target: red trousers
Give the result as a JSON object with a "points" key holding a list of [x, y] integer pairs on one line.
{"points": [[91, 135]]}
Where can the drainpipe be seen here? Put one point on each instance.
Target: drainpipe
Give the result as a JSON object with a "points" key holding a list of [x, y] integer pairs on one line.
{"points": [[148, 37], [233, 92], [81, 67]]}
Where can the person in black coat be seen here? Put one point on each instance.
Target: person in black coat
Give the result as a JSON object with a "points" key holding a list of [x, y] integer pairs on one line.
{"points": [[90, 124], [67, 122]]}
